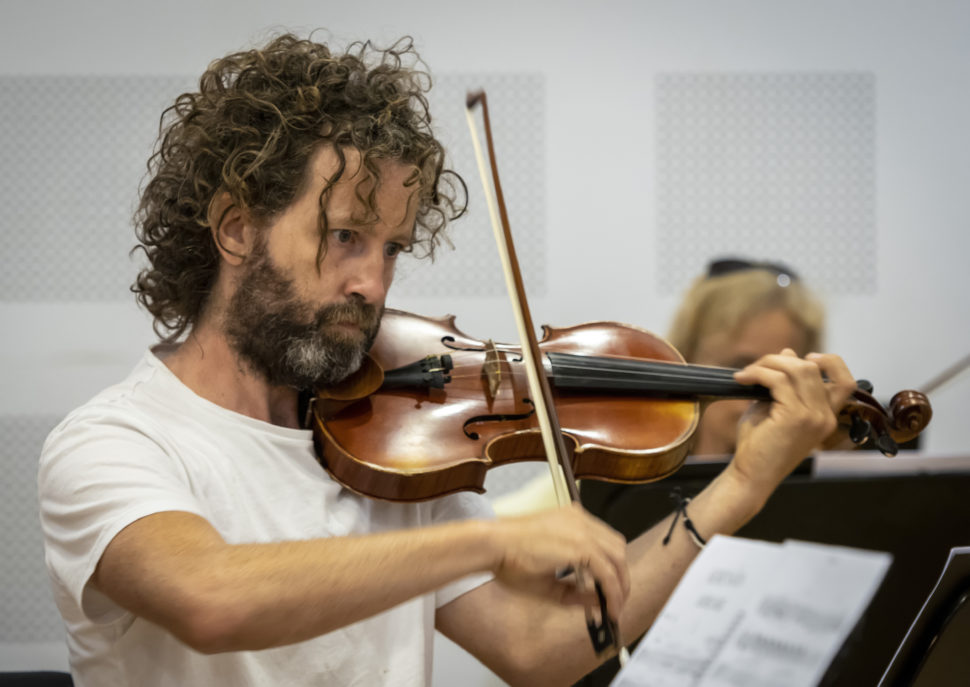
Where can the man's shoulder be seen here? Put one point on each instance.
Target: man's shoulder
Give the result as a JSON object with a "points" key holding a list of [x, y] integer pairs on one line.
{"points": [[126, 403]]}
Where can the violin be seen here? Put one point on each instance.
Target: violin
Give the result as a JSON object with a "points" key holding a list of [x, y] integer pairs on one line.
{"points": [[433, 409]]}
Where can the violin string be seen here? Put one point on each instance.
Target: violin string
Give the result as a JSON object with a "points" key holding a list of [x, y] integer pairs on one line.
{"points": [[681, 378], [646, 368], [670, 371], [602, 379], [642, 367]]}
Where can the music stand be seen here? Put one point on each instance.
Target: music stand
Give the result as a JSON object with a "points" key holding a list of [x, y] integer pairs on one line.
{"points": [[934, 651]]}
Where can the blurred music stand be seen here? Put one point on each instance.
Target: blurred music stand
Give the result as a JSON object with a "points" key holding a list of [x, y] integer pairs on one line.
{"points": [[934, 651]]}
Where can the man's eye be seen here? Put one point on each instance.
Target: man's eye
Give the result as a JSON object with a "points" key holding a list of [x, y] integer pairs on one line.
{"points": [[392, 250], [343, 235]]}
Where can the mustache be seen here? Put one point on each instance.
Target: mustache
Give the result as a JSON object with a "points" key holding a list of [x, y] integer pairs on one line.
{"points": [[364, 315]]}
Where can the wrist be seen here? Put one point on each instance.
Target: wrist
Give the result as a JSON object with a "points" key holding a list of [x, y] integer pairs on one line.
{"points": [[739, 495]]}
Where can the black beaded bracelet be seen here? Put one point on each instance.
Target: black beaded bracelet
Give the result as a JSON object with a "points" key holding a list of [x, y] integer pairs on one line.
{"points": [[681, 510]]}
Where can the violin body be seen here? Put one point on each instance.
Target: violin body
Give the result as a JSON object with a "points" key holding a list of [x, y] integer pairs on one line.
{"points": [[416, 444], [434, 409]]}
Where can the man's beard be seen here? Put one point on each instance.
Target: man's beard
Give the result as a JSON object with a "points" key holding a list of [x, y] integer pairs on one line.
{"points": [[281, 338]]}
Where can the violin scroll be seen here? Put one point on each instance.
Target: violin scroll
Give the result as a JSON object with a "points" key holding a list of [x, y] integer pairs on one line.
{"points": [[908, 414]]}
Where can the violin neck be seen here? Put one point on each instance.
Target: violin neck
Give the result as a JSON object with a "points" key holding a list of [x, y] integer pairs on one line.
{"points": [[655, 378]]}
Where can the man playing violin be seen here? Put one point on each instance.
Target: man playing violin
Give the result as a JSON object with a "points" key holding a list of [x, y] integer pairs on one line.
{"points": [[191, 536]]}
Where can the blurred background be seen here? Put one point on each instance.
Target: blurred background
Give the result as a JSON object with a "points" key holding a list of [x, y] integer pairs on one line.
{"points": [[636, 140]]}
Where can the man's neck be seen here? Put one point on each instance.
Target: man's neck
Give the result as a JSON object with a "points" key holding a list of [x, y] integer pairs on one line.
{"points": [[209, 366]]}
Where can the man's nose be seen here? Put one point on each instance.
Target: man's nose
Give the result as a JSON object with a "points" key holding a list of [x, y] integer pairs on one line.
{"points": [[367, 278]]}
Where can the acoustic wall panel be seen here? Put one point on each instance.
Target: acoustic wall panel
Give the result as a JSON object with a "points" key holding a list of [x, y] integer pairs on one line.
{"points": [[777, 166], [74, 152]]}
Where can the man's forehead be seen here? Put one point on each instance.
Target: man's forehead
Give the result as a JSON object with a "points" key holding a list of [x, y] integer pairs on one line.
{"points": [[360, 198]]}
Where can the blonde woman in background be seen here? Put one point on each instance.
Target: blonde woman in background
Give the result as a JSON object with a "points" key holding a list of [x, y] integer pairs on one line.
{"points": [[733, 315], [738, 311]]}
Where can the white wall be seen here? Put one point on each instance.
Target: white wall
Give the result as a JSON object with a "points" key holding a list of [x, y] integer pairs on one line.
{"points": [[599, 61]]}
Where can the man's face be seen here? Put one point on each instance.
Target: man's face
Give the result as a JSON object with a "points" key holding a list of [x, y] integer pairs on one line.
{"points": [[307, 328]]}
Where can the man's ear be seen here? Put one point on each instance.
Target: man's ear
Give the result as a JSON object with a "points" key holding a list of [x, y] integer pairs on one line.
{"points": [[232, 232]]}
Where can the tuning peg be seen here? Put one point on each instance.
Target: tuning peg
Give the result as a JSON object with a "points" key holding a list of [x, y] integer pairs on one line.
{"points": [[885, 444], [864, 385], [859, 430]]}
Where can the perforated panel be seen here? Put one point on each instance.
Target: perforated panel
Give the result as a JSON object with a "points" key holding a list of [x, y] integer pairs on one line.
{"points": [[74, 152], [771, 166], [29, 613]]}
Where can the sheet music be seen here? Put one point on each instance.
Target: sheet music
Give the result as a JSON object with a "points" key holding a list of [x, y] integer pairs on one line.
{"points": [[751, 613], [700, 615]]}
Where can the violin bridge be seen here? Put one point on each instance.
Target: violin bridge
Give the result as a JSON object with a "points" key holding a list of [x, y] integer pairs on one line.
{"points": [[492, 369]]}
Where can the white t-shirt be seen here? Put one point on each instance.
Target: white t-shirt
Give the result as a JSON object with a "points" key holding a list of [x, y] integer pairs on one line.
{"points": [[149, 445]]}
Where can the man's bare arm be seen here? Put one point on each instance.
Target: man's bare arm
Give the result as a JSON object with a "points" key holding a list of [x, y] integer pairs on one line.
{"points": [[175, 570]]}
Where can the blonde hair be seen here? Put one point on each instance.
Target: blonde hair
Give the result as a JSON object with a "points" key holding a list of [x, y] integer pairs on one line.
{"points": [[724, 303]]}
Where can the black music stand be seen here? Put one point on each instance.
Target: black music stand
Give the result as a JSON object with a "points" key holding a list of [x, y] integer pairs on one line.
{"points": [[934, 651]]}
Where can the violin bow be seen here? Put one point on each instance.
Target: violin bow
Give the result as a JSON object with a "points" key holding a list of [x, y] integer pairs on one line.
{"points": [[604, 633], [946, 375]]}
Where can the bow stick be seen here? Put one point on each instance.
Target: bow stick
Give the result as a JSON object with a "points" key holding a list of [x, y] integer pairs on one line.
{"points": [[605, 633]]}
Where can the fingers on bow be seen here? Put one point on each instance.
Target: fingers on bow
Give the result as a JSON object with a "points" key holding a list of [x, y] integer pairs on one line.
{"points": [[600, 556]]}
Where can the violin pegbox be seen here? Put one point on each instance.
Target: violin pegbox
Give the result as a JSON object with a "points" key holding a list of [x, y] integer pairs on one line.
{"points": [[909, 413]]}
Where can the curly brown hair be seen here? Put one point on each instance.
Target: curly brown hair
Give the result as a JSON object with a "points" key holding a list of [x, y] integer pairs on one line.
{"points": [[251, 129]]}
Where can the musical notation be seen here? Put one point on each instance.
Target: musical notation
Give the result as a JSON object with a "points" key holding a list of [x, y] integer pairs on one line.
{"points": [[752, 613]]}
